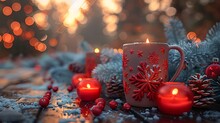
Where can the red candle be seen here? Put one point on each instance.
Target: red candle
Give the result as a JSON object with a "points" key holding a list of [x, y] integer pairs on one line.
{"points": [[89, 89], [174, 98], [92, 60], [78, 78]]}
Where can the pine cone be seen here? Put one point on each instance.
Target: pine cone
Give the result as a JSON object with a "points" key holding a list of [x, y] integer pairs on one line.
{"points": [[216, 88], [203, 92], [114, 89]]}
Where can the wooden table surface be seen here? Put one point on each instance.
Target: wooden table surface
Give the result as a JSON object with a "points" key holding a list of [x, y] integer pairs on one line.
{"points": [[21, 89]]}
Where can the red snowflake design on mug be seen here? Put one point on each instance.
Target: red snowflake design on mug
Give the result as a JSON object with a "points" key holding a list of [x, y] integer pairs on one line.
{"points": [[162, 50], [126, 87], [165, 64], [125, 61], [125, 74], [147, 81], [153, 58], [140, 53], [131, 69], [131, 51]]}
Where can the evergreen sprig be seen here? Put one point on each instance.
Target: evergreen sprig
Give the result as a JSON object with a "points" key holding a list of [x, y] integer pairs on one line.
{"points": [[197, 56], [111, 68], [175, 31], [106, 72]]}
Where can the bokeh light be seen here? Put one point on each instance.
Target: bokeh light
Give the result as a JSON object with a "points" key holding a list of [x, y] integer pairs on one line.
{"points": [[198, 40], [41, 47], [8, 38], [7, 45], [153, 6], [75, 15], [28, 35], [41, 20], [119, 18], [0, 38], [53, 42], [29, 21], [33, 41], [110, 8], [96, 50], [43, 4], [16, 6], [15, 25], [7, 11], [71, 13], [28, 9], [171, 11], [18, 32], [191, 36]]}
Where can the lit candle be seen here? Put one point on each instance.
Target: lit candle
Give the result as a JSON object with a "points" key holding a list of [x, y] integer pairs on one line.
{"points": [[174, 98], [89, 89], [78, 78], [92, 60], [145, 67]]}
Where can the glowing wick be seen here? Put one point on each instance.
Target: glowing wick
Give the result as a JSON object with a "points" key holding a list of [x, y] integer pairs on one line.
{"points": [[175, 91], [96, 50], [88, 85], [147, 41]]}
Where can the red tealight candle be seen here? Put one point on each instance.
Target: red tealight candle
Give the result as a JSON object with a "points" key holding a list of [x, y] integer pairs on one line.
{"points": [[89, 89], [92, 60], [78, 78], [174, 98]]}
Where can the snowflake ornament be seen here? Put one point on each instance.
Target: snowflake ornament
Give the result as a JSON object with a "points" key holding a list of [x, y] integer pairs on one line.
{"points": [[147, 81]]}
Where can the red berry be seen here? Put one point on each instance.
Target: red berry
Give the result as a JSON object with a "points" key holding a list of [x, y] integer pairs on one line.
{"points": [[71, 67], [113, 104], [46, 96], [70, 88], [43, 102], [51, 81], [48, 93], [100, 100], [127, 107], [49, 78], [85, 111], [77, 101], [101, 105], [49, 87], [96, 110], [55, 89]]}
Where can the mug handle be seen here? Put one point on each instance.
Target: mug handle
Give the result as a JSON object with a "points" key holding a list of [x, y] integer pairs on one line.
{"points": [[181, 65]]}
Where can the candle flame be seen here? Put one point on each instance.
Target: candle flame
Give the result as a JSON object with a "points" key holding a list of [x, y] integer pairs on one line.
{"points": [[147, 40], [96, 50], [80, 79], [175, 91], [88, 85]]}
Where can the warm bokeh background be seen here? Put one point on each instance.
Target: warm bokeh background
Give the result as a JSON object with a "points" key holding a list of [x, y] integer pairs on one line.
{"points": [[31, 27]]}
